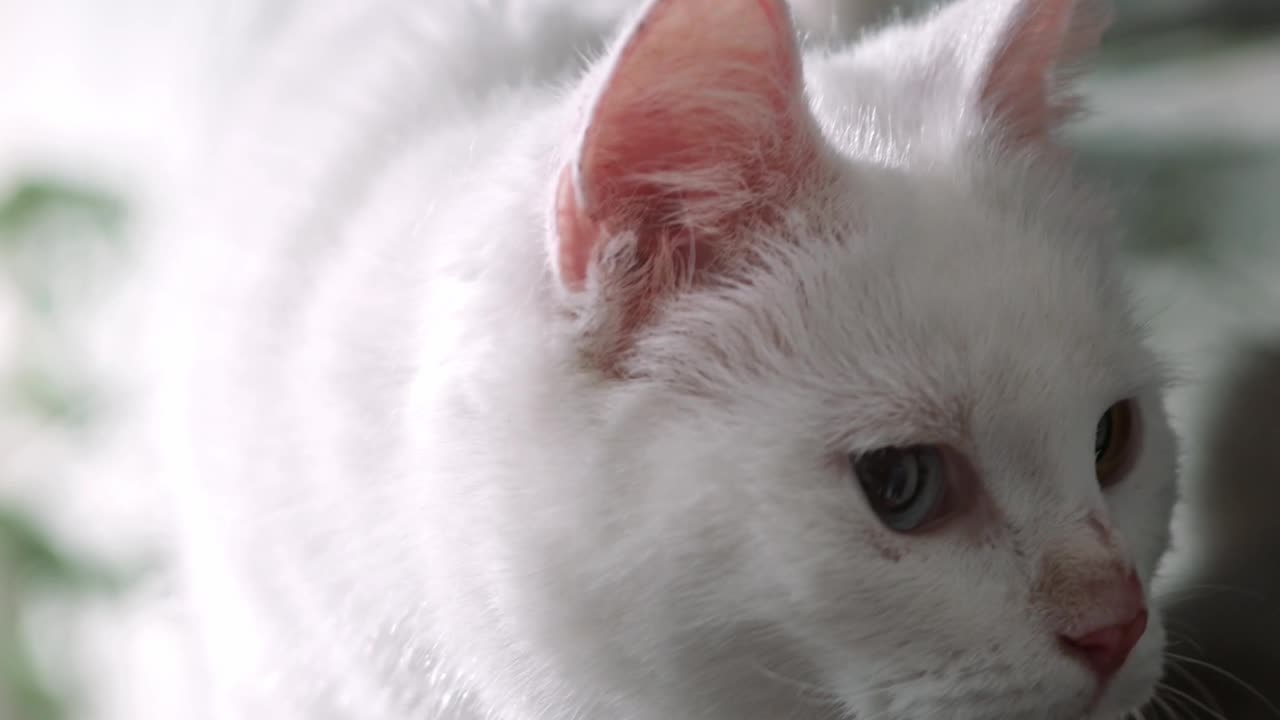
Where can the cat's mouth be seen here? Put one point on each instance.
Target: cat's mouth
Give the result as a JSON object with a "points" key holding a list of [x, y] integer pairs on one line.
{"points": [[1110, 703]]}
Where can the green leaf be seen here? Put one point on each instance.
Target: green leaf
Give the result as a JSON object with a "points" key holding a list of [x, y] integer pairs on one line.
{"points": [[37, 199]]}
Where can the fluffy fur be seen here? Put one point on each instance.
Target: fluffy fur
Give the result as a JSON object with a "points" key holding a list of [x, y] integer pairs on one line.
{"points": [[422, 472]]}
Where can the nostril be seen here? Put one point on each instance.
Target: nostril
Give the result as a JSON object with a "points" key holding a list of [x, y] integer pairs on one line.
{"points": [[1105, 650]]}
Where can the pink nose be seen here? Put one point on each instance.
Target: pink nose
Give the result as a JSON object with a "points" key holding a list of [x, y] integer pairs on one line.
{"points": [[1105, 650]]}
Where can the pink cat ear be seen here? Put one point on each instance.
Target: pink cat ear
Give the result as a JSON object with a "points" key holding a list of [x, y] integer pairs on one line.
{"points": [[700, 126], [1040, 41]]}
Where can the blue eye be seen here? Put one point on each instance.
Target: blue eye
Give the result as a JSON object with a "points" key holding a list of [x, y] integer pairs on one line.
{"points": [[905, 486]]}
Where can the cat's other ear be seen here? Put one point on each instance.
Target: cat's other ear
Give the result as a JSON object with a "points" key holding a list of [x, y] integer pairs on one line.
{"points": [[1023, 53], [697, 129], [1040, 43]]}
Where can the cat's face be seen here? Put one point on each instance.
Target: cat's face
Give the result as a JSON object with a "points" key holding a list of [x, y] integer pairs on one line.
{"points": [[881, 396], [939, 580]]}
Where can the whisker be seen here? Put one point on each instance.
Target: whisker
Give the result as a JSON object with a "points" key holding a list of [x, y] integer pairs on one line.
{"points": [[1168, 703], [1195, 702], [1191, 678], [888, 686], [1177, 634], [1166, 712], [803, 686], [1163, 706], [1230, 676], [1191, 591], [1176, 712]]}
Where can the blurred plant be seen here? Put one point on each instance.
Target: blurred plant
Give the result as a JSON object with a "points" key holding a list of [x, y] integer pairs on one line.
{"points": [[31, 565], [52, 234]]}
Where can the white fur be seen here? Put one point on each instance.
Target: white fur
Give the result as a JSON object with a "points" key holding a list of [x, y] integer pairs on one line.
{"points": [[403, 495]]}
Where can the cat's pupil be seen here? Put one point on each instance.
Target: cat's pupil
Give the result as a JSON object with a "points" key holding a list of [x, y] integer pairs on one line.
{"points": [[1102, 436], [903, 483]]}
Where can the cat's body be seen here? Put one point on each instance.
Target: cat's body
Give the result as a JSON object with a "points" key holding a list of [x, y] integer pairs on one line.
{"points": [[464, 428]]}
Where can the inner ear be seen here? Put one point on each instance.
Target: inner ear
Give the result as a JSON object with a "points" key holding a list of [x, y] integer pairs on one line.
{"points": [[700, 125], [1042, 41]]}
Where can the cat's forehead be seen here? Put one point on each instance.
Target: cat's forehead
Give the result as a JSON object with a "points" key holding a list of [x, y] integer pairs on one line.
{"points": [[924, 305], [1009, 287], [981, 300]]}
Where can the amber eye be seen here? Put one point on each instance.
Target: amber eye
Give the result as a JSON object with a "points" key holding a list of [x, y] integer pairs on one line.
{"points": [[1113, 441]]}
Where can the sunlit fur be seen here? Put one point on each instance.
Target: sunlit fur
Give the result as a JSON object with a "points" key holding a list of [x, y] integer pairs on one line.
{"points": [[407, 493]]}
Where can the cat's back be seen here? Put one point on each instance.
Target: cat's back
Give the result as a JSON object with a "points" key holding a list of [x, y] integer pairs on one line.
{"points": [[352, 143], [357, 146], [348, 136]]}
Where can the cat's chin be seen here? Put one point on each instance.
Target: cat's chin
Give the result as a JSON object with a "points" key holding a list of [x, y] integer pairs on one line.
{"points": [[1127, 694], [1121, 699]]}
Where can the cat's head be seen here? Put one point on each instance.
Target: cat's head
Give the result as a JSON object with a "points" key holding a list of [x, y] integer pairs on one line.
{"points": [[874, 396]]}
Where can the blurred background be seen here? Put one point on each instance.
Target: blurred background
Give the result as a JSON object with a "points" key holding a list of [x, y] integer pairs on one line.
{"points": [[99, 103]]}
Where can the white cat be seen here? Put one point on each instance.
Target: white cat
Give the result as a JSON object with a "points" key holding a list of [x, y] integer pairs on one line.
{"points": [[722, 382]]}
